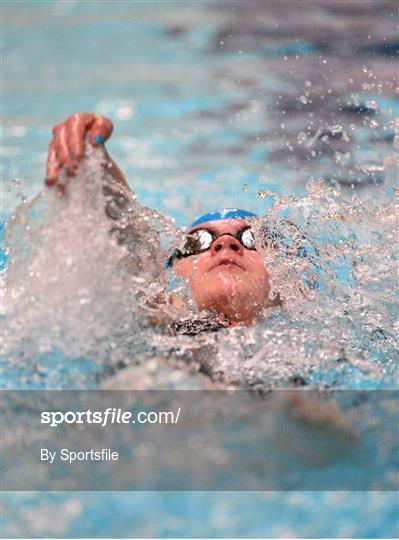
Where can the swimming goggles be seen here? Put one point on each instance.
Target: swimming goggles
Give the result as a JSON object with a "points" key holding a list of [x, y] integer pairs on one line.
{"points": [[201, 240]]}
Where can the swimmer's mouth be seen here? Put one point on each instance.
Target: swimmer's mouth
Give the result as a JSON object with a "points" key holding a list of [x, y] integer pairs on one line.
{"points": [[227, 262]]}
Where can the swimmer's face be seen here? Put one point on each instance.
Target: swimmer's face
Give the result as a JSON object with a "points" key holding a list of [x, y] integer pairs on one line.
{"points": [[227, 278]]}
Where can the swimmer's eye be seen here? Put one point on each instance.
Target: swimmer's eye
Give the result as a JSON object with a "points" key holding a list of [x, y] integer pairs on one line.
{"points": [[247, 239], [197, 242]]}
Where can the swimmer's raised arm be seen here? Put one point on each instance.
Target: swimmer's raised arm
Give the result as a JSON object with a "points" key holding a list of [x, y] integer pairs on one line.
{"points": [[66, 148]]}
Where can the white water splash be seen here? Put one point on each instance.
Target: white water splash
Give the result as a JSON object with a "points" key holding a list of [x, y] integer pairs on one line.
{"points": [[72, 285]]}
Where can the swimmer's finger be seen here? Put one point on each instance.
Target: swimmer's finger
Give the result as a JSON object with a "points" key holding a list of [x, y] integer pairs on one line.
{"points": [[62, 150], [53, 167], [77, 126], [101, 130]]}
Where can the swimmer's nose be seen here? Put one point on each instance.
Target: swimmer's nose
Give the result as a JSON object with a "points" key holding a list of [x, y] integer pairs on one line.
{"points": [[227, 242]]}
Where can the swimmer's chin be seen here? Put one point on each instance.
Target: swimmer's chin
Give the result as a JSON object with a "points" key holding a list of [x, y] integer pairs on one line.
{"points": [[228, 301], [225, 284]]}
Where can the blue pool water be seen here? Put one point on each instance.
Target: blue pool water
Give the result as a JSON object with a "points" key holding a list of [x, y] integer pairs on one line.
{"points": [[215, 104]]}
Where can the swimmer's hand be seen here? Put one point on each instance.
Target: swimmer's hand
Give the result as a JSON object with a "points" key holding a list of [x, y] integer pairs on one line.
{"points": [[66, 148]]}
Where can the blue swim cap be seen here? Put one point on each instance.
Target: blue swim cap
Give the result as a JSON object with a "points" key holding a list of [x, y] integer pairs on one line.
{"points": [[223, 213]]}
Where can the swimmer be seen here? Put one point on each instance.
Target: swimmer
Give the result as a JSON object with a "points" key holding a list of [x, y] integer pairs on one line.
{"points": [[225, 273]]}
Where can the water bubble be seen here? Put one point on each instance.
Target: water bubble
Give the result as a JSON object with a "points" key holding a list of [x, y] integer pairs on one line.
{"points": [[125, 112], [264, 193], [23, 198], [336, 129], [371, 104], [376, 172], [342, 158], [302, 137], [303, 99]]}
